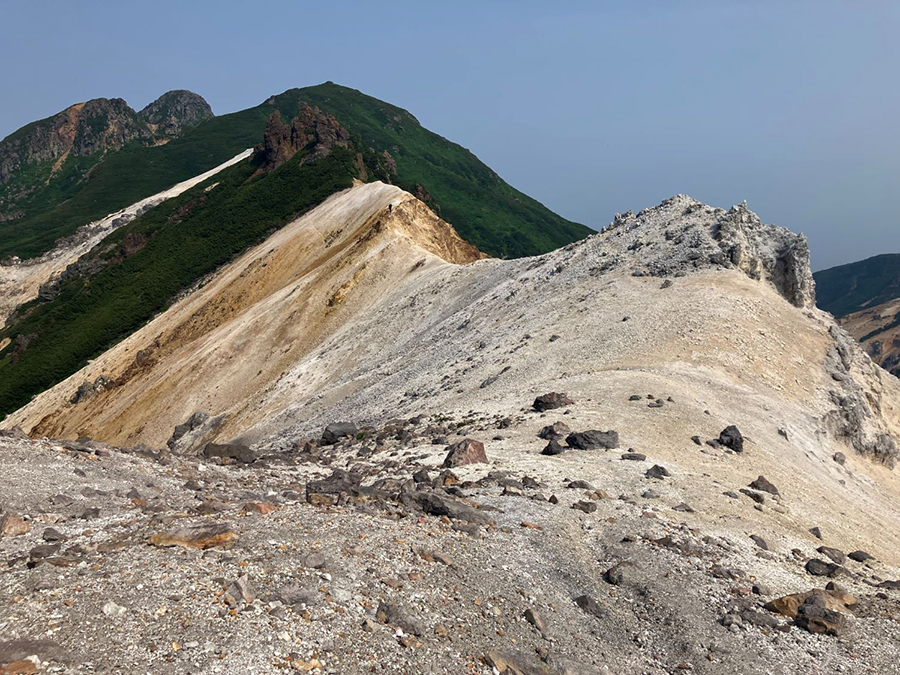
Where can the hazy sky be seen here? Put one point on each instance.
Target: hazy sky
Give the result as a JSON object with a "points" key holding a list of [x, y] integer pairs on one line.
{"points": [[590, 107]]}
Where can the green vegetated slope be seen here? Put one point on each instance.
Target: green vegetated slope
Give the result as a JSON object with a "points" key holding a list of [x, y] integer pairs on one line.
{"points": [[485, 210], [121, 178], [145, 264], [849, 288]]}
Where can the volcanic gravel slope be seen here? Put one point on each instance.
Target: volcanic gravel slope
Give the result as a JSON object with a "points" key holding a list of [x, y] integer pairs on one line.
{"points": [[656, 555]]}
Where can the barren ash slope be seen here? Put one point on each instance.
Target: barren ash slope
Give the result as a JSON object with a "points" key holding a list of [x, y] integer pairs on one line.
{"points": [[250, 541]]}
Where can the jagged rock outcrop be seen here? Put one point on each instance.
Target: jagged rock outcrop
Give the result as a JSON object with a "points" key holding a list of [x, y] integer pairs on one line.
{"points": [[310, 130], [682, 235], [175, 111]]}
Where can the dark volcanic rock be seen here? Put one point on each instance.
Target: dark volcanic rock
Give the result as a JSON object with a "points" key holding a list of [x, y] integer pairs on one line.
{"points": [[657, 471], [551, 401], [590, 440], [732, 438], [815, 616], [820, 568], [763, 484], [437, 504], [335, 432], [759, 541], [556, 431], [553, 448], [860, 556], [836, 555], [338, 482], [585, 507]]}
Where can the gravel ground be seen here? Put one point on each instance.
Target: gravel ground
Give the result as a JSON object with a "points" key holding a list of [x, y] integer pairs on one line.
{"points": [[116, 603]]}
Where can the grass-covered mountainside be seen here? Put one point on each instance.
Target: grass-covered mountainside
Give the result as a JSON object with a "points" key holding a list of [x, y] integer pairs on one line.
{"points": [[484, 209], [849, 288], [88, 160], [138, 270]]}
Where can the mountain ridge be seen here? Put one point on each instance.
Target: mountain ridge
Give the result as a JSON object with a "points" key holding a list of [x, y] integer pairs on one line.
{"points": [[494, 216]]}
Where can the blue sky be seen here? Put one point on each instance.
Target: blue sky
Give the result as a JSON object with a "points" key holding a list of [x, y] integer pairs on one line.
{"points": [[590, 107]]}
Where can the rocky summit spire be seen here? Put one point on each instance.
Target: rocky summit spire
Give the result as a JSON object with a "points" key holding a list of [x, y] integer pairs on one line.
{"points": [[311, 128], [175, 111]]}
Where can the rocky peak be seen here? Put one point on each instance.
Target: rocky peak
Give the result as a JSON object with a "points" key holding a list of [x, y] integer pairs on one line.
{"points": [[175, 111], [311, 128], [82, 129], [99, 125], [682, 234]]}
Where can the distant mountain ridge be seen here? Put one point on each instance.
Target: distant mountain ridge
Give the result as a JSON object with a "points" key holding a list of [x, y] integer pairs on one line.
{"points": [[866, 283], [64, 147], [865, 297], [135, 155]]}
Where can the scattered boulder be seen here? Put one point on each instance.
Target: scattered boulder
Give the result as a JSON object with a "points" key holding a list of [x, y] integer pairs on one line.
{"points": [[533, 617], [551, 401], [620, 573], [762, 483], [755, 496], [580, 485], [836, 555], [338, 430], [202, 536], [234, 451], [789, 605], [860, 556], [759, 541], [657, 471], [466, 451], [509, 663], [325, 492], [591, 606], [292, 595], [553, 448], [820, 568], [436, 504], [555, 431], [585, 507], [815, 616], [634, 456], [593, 439], [13, 526], [731, 438]]}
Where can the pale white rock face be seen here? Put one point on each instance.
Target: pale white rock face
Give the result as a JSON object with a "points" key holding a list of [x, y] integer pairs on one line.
{"points": [[22, 281]]}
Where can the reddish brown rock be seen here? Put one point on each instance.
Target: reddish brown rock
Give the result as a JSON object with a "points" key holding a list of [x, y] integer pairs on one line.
{"points": [[258, 507], [788, 605], [202, 536], [13, 526], [467, 451], [311, 130]]}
